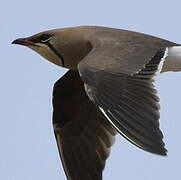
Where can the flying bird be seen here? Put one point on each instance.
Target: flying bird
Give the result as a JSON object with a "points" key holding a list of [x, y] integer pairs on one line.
{"points": [[108, 89]]}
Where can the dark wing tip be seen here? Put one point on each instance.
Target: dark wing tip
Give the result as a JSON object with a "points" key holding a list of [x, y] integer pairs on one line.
{"points": [[161, 151]]}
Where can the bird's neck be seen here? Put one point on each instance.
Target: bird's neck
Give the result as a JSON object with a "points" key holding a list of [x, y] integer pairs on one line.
{"points": [[75, 48]]}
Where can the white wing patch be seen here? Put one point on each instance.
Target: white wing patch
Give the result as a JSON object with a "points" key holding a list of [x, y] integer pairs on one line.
{"points": [[160, 66]]}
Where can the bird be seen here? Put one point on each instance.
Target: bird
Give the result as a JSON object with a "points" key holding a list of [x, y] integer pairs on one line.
{"points": [[108, 90]]}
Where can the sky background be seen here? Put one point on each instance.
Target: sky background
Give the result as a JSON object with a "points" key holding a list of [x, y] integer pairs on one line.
{"points": [[27, 145]]}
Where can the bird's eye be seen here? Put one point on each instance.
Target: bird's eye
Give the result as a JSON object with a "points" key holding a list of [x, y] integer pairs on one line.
{"points": [[45, 37]]}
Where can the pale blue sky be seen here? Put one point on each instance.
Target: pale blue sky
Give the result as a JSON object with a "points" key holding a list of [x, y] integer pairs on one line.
{"points": [[28, 150]]}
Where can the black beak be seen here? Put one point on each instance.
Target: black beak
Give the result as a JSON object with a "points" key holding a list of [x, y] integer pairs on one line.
{"points": [[23, 41]]}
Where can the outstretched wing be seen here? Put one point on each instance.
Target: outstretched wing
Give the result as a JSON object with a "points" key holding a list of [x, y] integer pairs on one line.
{"points": [[121, 85], [83, 136]]}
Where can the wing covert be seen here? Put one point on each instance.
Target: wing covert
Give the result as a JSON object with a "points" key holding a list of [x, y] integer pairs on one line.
{"points": [[126, 95]]}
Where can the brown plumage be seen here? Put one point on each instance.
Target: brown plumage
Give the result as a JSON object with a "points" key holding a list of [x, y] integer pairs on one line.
{"points": [[108, 89]]}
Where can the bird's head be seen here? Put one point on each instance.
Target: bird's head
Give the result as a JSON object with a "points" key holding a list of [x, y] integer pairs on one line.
{"points": [[63, 47]]}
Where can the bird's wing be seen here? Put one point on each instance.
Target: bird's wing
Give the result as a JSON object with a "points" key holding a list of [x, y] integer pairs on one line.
{"points": [[124, 90], [83, 136]]}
